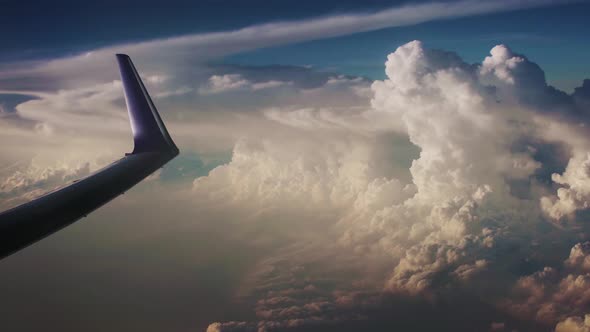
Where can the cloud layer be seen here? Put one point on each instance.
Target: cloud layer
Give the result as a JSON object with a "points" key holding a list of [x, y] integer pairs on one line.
{"points": [[445, 183], [475, 190]]}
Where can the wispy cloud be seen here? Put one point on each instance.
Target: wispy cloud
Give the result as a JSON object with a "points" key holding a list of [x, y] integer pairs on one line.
{"points": [[235, 82], [185, 50]]}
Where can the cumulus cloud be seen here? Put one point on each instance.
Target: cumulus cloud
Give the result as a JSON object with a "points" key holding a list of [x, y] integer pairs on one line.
{"points": [[575, 193], [27, 179], [553, 294], [20, 181], [444, 225], [579, 257]]}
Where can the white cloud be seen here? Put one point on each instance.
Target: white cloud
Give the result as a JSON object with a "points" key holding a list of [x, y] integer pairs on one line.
{"points": [[579, 257], [440, 226], [182, 52], [575, 193], [221, 83], [91, 108], [501, 63], [23, 185], [268, 85], [235, 82]]}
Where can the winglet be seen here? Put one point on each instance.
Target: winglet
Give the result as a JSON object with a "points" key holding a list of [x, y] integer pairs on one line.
{"points": [[149, 132]]}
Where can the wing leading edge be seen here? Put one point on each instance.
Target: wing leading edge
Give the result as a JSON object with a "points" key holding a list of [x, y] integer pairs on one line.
{"points": [[153, 148]]}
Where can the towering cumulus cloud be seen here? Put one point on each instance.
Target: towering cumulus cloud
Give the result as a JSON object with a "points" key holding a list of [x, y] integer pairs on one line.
{"points": [[497, 172]]}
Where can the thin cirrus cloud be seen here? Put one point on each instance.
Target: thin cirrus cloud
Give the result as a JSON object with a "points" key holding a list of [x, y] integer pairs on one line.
{"points": [[184, 50]]}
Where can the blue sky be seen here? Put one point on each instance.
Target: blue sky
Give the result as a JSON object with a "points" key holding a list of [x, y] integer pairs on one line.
{"points": [[553, 36]]}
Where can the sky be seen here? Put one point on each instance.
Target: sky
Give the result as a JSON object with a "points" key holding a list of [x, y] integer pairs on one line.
{"points": [[344, 165], [544, 33]]}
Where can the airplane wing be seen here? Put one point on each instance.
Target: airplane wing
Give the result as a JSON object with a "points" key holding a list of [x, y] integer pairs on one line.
{"points": [[153, 147]]}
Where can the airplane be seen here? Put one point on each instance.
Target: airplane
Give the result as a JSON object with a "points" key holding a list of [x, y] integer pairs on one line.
{"points": [[30, 222]]}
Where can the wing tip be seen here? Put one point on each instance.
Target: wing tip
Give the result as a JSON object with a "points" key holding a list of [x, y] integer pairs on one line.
{"points": [[149, 132]]}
